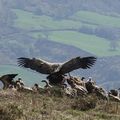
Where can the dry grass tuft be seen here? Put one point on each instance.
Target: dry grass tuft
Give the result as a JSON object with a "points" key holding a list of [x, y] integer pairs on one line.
{"points": [[55, 106]]}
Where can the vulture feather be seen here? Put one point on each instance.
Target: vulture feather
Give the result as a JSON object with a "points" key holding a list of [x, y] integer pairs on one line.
{"points": [[45, 67], [7, 80], [38, 65], [76, 63]]}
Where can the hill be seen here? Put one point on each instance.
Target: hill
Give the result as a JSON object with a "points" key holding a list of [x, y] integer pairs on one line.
{"points": [[22, 106], [68, 31], [59, 30]]}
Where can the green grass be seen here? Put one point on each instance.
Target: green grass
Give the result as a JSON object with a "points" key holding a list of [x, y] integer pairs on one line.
{"points": [[90, 43], [95, 18], [28, 20], [29, 77]]}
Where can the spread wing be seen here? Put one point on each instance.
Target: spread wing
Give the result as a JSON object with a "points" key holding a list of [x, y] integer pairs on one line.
{"points": [[38, 65], [76, 63], [7, 79]]}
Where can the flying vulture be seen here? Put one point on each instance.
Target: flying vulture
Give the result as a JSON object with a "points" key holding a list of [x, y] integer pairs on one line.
{"points": [[7, 80], [56, 71]]}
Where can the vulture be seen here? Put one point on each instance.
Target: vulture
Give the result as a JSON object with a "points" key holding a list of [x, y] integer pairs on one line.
{"points": [[114, 92], [56, 71], [7, 80], [47, 84]]}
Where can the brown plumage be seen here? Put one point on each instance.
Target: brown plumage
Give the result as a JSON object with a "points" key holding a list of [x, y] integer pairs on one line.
{"points": [[48, 68], [114, 98], [56, 69], [38, 65], [114, 92], [80, 89], [76, 63], [7, 80], [93, 88]]}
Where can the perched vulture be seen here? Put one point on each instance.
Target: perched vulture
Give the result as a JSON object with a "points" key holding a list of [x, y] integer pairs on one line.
{"points": [[114, 98], [7, 80], [114, 92], [56, 69], [47, 84]]}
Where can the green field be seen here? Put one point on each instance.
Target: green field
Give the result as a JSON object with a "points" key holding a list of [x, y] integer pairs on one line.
{"points": [[29, 77], [95, 18], [90, 43], [28, 20], [61, 34]]}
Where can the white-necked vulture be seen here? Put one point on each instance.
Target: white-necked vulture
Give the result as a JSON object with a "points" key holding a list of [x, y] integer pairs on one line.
{"points": [[7, 80], [55, 70]]}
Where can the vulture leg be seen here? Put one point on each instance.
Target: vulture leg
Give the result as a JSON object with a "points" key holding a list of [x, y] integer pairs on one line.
{"points": [[56, 79]]}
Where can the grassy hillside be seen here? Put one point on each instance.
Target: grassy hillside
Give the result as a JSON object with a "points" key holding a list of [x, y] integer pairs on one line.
{"points": [[56, 32], [29, 77], [29, 20], [89, 43], [26, 106], [97, 19], [66, 31]]}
